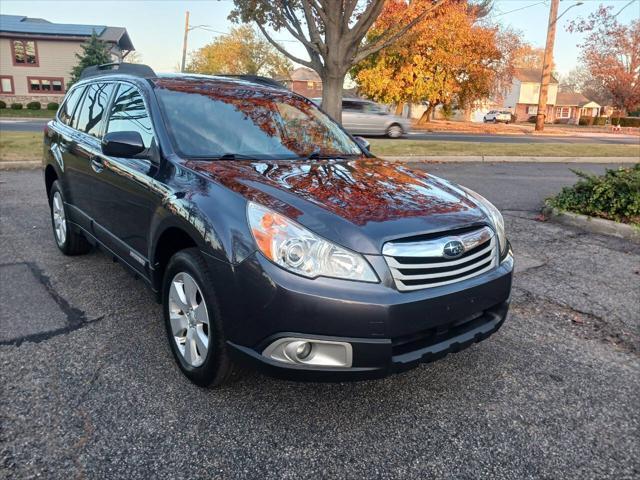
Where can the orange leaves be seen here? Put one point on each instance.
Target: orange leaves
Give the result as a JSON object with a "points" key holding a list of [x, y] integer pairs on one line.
{"points": [[436, 61]]}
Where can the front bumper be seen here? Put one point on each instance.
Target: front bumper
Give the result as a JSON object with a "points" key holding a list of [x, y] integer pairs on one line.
{"points": [[389, 331]]}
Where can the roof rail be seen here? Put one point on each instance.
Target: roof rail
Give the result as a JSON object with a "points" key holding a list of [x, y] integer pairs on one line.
{"points": [[269, 82], [134, 69]]}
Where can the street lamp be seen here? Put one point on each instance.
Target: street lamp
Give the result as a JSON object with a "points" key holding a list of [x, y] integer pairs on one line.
{"points": [[548, 60]]}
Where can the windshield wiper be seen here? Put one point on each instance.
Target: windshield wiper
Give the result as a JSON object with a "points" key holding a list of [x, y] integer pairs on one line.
{"points": [[227, 156], [315, 155]]}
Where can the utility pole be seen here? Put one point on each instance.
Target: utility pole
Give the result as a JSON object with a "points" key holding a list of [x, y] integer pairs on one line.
{"points": [[546, 66], [184, 43]]}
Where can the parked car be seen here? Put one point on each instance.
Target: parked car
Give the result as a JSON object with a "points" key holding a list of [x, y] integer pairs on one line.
{"points": [[269, 235], [496, 116], [364, 117]]}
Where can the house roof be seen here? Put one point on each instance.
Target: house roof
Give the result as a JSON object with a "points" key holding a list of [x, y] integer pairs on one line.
{"points": [[21, 25], [572, 99], [531, 75], [305, 74]]}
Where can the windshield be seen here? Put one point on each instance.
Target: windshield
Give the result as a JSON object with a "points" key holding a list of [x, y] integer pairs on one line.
{"points": [[211, 120]]}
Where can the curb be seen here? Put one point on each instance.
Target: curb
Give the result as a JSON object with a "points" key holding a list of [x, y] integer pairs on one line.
{"points": [[507, 159], [593, 224], [20, 165]]}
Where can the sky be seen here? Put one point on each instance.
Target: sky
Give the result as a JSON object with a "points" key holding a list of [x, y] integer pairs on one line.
{"points": [[157, 27]]}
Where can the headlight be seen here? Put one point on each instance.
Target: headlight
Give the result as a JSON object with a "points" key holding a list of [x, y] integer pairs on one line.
{"points": [[298, 250], [494, 214]]}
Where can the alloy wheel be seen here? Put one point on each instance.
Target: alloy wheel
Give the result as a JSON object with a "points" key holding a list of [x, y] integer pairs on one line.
{"points": [[59, 219], [189, 319]]}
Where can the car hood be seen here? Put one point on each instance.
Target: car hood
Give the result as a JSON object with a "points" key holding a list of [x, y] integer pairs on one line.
{"points": [[360, 204]]}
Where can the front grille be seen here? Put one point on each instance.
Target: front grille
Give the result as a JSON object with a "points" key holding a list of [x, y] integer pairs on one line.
{"points": [[422, 264]]}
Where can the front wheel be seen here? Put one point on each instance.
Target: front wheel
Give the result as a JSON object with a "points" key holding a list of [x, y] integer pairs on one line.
{"points": [[394, 131], [68, 241], [192, 320]]}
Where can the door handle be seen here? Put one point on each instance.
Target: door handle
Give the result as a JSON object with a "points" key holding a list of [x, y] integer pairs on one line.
{"points": [[96, 164]]}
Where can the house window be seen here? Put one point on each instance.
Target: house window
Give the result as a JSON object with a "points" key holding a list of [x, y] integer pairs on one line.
{"points": [[25, 53], [310, 85], [6, 84], [53, 85], [563, 112], [532, 109]]}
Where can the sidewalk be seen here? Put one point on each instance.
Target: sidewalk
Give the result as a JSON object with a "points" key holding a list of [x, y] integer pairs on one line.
{"points": [[507, 159]]}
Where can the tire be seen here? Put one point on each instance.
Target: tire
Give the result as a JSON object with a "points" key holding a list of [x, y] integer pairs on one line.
{"points": [[394, 131], [205, 364], [495, 120], [67, 239]]}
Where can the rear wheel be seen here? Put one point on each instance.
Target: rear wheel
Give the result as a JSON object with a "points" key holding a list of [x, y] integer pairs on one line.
{"points": [[394, 131], [192, 320], [69, 241]]}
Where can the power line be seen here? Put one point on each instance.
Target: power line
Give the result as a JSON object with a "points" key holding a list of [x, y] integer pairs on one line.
{"points": [[521, 8], [620, 11]]}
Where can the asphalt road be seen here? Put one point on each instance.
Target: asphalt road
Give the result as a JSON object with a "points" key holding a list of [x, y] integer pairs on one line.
{"points": [[36, 125], [491, 138], [19, 125], [89, 388]]}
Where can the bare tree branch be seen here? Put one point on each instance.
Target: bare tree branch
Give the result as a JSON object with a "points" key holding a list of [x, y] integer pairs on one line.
{"points": [[283, 50], [381, 43], [370, 14]]}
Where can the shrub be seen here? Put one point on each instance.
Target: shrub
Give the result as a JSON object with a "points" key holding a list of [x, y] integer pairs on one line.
{"points": [[600, 121], [16, 106], [626, 121], [2, 104], [614, 195], [586, 120], [34, 105], [53, 106], [531, 119]]}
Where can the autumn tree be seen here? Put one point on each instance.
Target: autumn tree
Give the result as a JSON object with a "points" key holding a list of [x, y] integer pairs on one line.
{"points": [[332, 33], [528, 56], [446, 59], [242, 51], [611, 53], [580, 79]]}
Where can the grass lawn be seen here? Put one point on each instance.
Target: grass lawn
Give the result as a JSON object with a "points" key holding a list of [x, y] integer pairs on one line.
{"points": [[16, 146], [26, 113], [385, 147]]}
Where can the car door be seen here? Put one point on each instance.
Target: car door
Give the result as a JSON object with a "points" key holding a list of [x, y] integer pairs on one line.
{"points": [[374, 119], [352, 117], [131, 192], [83, 148]]}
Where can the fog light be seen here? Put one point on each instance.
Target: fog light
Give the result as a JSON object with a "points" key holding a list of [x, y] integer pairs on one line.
{"points": [[310, 352], [303, 350]]}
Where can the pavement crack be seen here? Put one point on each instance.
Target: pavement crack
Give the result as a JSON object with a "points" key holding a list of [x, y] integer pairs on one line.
{"points": [[585, 324]]}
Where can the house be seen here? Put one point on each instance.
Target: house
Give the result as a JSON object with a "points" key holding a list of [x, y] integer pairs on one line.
{"points": [[36, 56], [562, 106], [304, 81], [570, 106], [522, 98]]}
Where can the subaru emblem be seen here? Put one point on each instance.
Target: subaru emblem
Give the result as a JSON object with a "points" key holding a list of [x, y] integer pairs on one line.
{"points": [[453, 249]]}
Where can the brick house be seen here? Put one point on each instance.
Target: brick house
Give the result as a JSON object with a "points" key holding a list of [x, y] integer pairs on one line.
{"points": [[304, 81], [36, 56], [570, 106]]}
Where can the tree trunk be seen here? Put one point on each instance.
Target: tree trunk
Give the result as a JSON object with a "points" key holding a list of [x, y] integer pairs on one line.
{"points": [[332, 95], [426, 116], [399, 109]]}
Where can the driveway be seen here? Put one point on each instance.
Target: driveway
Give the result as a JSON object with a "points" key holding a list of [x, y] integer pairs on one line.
{"points": [[89, 388]]}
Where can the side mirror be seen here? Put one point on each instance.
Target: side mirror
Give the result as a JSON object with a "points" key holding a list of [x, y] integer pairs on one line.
{"points": [[122, 144], [362, 142]]}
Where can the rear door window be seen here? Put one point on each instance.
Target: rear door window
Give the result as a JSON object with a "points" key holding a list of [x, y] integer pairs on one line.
{"points": [[352, 106], [66, 112], [92, 110], [128, 114]]}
